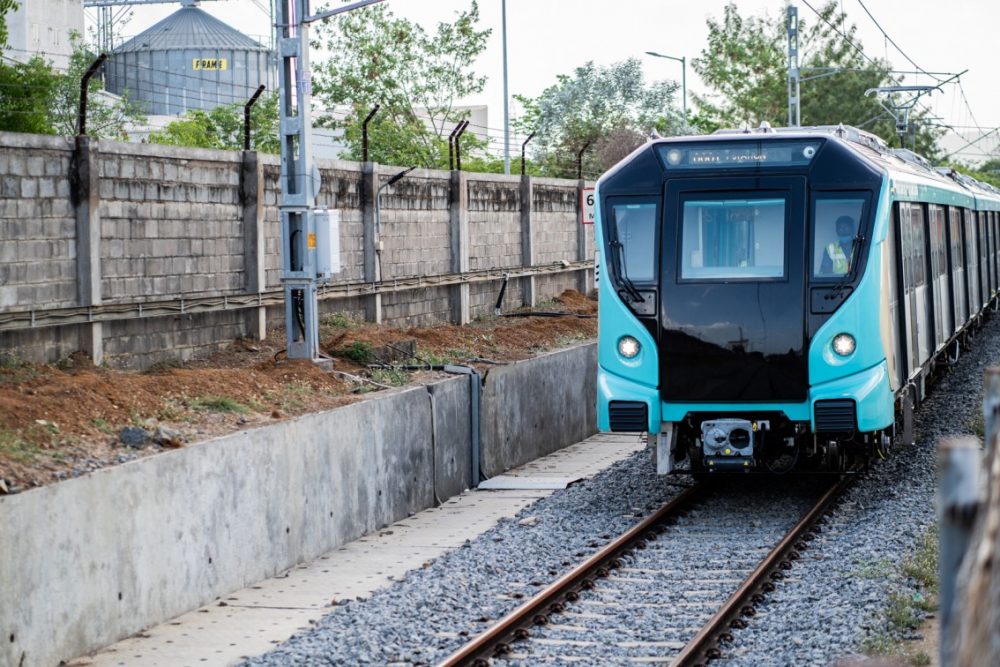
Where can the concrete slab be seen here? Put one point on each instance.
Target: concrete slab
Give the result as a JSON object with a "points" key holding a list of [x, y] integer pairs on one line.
{"points": [[254, 620]]}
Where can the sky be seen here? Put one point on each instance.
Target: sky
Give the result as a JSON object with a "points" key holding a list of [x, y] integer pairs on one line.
{"points": [[546, 38]]}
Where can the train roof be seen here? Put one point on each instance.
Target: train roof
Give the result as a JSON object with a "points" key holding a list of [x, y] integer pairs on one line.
{"points": [[906, 170]]}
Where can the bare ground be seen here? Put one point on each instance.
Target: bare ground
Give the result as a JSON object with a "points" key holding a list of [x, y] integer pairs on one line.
{"points": [[64, 420]]}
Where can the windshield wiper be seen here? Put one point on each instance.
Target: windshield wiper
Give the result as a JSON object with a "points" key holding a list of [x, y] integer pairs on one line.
{"points": [[835, 291], [622, 276]]}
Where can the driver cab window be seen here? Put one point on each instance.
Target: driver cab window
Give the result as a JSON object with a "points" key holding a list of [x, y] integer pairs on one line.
{"points": [[635, 226], [836, 225]]}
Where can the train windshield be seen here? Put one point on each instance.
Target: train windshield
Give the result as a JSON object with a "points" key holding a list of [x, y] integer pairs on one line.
{"points": [[635, 229], [836, 237], [733, 239]]}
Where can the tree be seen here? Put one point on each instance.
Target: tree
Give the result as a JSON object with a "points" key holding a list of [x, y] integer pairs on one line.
{"points": [[108, 116], [222, 127], [611, 108], [6, 7], [745, 64], [27, 94], [35, 98], [416, 77]]}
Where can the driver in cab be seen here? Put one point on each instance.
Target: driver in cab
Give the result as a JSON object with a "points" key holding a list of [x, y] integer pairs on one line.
{"points": [[838, 254]]}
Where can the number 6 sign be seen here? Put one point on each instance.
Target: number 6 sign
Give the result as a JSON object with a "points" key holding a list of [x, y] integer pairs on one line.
{"points": [[587, 206]]}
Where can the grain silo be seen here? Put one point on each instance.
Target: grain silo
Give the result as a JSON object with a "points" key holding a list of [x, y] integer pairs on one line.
{"points": [[189, 60]]}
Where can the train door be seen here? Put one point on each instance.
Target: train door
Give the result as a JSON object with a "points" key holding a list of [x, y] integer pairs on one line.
{"points": [[960, 300], [909, 228], [992, 224], [984, 269], [938, 248], [972, 261]]}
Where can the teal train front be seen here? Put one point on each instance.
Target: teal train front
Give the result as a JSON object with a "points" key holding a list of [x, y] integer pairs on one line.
{"points": [[781, 299]]}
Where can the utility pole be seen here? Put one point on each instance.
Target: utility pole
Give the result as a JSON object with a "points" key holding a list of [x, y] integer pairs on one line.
{"points": [[302, 265], [794, 108], [506, 114]]}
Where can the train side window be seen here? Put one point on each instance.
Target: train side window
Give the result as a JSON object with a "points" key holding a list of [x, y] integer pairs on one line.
{"points": [[939, 249], [917, 237], [635, 226], [733, 239], [836, 235], [955, 223], [906, 244]]}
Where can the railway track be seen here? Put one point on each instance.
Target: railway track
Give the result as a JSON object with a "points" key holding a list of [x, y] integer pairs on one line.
{"points": [[669, 589]]}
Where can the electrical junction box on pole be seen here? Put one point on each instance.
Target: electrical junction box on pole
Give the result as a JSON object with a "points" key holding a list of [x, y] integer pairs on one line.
{"points": [[327, 243]]}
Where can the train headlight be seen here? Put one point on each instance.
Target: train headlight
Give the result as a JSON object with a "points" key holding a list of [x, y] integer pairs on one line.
{"points": [[628, 347], [844, 344]]}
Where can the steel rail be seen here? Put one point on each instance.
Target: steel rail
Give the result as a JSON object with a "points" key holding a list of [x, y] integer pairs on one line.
{"points": [[514, 625], [704, 646]]}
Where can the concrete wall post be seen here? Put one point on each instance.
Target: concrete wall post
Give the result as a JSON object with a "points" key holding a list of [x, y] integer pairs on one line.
{"points": [[959, 463], [991, 407], [369, 189], [252, 202], [585, 278], [85, 195], [527, 239], [459, 219]]}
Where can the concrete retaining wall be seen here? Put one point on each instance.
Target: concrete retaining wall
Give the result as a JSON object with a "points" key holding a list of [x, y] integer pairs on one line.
{"points": [[86, 562]]}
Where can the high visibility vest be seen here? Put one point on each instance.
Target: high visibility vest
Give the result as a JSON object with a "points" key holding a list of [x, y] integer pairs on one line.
{"points": [[838, 259]]}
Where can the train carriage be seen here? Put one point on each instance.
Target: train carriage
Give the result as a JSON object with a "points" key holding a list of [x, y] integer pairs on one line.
{"points": [[773, 299]]}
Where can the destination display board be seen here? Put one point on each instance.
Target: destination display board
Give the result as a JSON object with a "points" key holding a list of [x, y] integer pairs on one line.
{"points": [[748, 154]]}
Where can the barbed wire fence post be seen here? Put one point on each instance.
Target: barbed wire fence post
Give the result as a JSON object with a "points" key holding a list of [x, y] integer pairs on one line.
{"points": [[247, 108]]}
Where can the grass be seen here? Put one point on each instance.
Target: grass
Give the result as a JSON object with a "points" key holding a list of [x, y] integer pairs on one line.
{"points": [[359, 351], [14, 447], [293, 396], [879, 569], [218, 404], [14, 370], [339, 321], [906, 610], [102, 425]]}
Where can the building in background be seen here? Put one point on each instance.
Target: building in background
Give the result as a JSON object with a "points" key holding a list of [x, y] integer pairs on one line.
{"points": [[43, 28], [189, 60]]}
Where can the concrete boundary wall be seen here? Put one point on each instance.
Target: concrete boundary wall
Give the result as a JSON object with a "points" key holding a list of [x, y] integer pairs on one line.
{"points": [[89, 225], [89, 561]]}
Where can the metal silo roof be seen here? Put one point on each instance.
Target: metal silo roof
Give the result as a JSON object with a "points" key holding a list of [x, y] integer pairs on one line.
{"points": [[187, 28]]}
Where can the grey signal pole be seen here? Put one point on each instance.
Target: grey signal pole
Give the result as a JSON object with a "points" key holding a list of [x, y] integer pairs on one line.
{"points": [[299, 177]]}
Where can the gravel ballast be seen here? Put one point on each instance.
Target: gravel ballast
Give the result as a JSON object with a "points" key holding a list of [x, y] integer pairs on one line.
{"points": [[832, 598]]}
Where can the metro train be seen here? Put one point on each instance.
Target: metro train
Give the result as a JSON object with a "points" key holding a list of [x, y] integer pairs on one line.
{"points": [[778, 299]]}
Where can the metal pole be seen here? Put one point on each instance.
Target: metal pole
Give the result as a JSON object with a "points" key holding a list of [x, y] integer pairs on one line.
{"points": [[364, 132], [683, 61], [506, 111], [579, 161], [794, 108], [246, 116], [451, 146], [684, 87], [298, 198], [958, 502], [84, 90], [458, 145], [530, 137]]}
